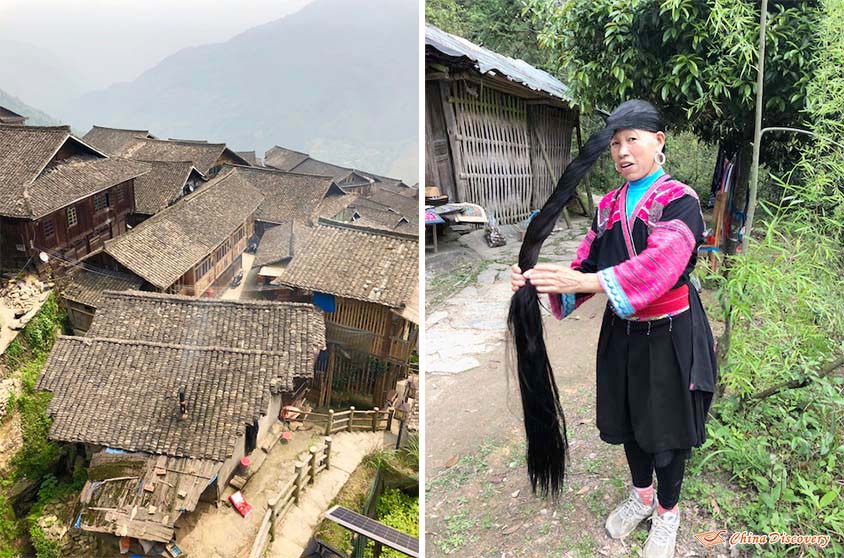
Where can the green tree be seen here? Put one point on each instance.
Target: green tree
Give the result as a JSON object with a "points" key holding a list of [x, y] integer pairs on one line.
{"points": [[695, 60], [499, 25]]}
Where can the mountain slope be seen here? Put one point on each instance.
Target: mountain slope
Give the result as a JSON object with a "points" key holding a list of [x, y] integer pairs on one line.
{"points": [[36, 117], [337, 79]]}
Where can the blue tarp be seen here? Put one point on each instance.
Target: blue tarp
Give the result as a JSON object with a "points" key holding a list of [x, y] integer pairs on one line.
{"points": [[325, 301]]}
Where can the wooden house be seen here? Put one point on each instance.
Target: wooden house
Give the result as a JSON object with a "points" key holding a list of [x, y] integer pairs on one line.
{"points": [[365, 279], [193, 244], [59, 195], [498, 131], [166, 394], [165, 183], [82, 293], [278, 246], [113, 140], [11, 118]]}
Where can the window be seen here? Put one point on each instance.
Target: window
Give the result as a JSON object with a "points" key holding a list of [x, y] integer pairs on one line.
{"points": [[100, 201], [49, 228], [221, 252], [71, 217], [120, 194], [238, 234], [203, 268]]}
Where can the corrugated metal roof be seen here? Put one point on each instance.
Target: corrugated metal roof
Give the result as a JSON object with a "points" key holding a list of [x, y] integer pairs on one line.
{"points": [[487, 61]]}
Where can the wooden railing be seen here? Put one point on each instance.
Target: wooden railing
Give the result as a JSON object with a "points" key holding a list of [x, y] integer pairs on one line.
{"points": [[306, 468], [352, 420]]}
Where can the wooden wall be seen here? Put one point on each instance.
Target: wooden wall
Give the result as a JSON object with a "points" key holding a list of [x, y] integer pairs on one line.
{"points": [[72, 241], [490, 147]]}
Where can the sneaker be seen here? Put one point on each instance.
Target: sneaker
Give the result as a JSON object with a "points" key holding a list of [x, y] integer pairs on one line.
{"points": [[628, 515], [660, 543]]}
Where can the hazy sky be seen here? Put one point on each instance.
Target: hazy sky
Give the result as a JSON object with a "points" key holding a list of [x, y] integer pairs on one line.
{"points": [[116, 40]]}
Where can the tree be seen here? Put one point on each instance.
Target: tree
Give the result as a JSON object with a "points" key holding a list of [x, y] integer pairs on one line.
{"points": [[693, 59], [499, 25]]}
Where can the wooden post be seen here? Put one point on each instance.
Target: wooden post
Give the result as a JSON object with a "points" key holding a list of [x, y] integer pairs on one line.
{"points": [[329, 425], [550, 170], [351, 418], [390, 419], [376, 412], [328, 452], [272, 503], [314, 460], [299, 467]]}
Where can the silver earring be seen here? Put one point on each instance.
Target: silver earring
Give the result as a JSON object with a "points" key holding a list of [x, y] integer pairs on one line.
{"points": [[659, 157]]}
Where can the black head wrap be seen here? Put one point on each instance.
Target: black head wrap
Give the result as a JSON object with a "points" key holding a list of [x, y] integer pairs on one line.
{"points": [[545, 423]]}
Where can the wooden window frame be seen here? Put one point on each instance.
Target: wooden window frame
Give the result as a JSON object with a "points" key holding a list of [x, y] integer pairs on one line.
{"points": [[72, 216], [101, 196], [52, 226]]}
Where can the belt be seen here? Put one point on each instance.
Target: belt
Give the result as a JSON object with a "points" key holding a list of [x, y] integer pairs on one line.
{"points": [[638, 327]]}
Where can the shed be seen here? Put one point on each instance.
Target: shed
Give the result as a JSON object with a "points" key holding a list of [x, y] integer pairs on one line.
{"points": [[498, 130]]}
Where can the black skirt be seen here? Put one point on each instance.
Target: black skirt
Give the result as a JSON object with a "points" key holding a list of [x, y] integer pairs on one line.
{"points": [[643, 384]]}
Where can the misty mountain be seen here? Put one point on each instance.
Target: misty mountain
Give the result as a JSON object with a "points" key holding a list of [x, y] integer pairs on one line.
{"points": [[38, 75], [36, 117], [338, 79]]}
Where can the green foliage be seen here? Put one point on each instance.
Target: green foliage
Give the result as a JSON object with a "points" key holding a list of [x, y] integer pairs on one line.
{"points": [[399, 511], [499, 25], [783, 298], [695, 60], [44, 547]]}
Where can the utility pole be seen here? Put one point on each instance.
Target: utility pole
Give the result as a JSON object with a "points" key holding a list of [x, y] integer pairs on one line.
{"points": [[757, 131]]}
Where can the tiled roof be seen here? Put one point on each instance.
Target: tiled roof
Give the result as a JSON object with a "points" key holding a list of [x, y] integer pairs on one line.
{"points": [[294, 328], [111, 141], [287, 196], [202, 155], [86, 287], [407, 206], [355, 262], [280, 243], [161, 186], [69, 181], [168, 244], [249, 156], [378, 216], [33, 185], [124, 394], [283, 158], [8, 116], [321, 168]]}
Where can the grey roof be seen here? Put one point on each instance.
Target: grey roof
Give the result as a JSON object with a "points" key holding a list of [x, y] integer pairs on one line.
{"points": [[33, 184], [377, 216], [112, 140], [171, 242], [321, 168], [8, 116], [281, 243], [249, 156], [294, 328], [86, 287], [489, 62], [288, 196], [203, 155], [283, 158], [162, 185], [124, 394], [358, 263]]}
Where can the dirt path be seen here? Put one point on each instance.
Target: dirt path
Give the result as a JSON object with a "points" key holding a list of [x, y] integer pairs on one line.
{"points": [[478, 496]]}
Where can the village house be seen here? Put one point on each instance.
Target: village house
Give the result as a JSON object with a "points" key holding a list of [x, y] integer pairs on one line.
{"points": [[83, 293], [112, 141], [498, 131], [11, 118], [162, 186], [366, 281], [59, 195], [275, 251], [251, 158], [192, 245], [166, 394], [208, 158]]}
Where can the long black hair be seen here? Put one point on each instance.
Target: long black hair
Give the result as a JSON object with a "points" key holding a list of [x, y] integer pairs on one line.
{"points": [[545, 423]]}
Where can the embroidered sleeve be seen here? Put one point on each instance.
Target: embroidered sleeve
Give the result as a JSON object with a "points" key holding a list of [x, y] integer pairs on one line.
{"points": [[633, 284], [565, 304]]}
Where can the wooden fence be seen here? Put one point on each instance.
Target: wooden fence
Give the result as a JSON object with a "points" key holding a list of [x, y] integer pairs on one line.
{"points": [[306, 468], [352, 420]]}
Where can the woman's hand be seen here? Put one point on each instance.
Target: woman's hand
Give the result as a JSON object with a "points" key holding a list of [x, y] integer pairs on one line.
{"points": [[552, 278], [517, 280]]}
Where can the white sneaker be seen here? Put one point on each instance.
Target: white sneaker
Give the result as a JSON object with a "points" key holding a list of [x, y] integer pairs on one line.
{"points": [[663, 536], [623, 519]]}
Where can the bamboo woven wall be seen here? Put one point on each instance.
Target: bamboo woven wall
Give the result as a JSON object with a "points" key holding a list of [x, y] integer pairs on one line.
{"points": [[553, 130], [493, 161]]}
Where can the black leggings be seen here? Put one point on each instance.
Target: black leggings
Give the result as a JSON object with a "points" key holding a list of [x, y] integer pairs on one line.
{"points": [[669, 478]]}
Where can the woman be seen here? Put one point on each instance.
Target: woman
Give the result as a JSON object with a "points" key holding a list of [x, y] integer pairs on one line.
{"points": [[656, 365]]}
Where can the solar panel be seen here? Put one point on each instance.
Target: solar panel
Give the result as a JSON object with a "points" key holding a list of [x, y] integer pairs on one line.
{"points": [[374, 530]]}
